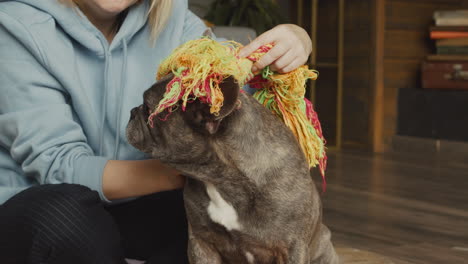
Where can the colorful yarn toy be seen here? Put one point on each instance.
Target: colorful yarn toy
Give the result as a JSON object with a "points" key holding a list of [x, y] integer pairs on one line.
{"points": [[200, 66]]}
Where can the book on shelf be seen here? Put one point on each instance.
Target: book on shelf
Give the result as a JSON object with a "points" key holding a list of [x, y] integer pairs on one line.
{"points": [[448, 34], [456, 42], [451, 18], [452, 50], [442, 57], [449, 28]]}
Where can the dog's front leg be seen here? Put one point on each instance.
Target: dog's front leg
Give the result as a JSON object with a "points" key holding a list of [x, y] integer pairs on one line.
{"points": [[322, 250], [323, 254], [298, 253], [201, 253]]}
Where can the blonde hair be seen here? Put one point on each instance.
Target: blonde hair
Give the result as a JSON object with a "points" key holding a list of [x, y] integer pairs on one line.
{"points": [[158, 14]]}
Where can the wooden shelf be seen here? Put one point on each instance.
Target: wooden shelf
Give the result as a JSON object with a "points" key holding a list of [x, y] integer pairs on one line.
{"points": [[326, 65]]}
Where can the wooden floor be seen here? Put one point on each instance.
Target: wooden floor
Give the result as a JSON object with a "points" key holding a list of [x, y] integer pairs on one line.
{"points": [[412, 209]]}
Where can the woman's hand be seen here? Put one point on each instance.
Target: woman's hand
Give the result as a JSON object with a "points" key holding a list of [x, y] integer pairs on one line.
{"points": [[292, 48]]}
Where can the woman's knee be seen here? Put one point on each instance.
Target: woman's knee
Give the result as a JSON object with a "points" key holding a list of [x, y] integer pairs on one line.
{"points": [[65, 218], [44, 194], [49, 208]]}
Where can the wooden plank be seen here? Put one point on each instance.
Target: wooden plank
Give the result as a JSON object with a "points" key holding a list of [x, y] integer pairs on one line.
{"points": [[389, 114], [327, 31], [357, 15], [326, 65], [313, 57], [357, 77], [358, 43], [325, 105], [377, 64], [402, 73], [401, 15], [327, 47], [300, 12], [328, 15], [399, 73], [339, 100], [407, 44], [313, 31]]}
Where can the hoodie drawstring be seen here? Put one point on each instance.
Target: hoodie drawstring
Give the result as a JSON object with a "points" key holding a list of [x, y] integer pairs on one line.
{"points": [[108, 59], [104, 105], [120, 96]]}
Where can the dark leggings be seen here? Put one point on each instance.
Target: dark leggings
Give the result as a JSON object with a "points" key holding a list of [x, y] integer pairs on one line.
{"points": [[68, 224]]}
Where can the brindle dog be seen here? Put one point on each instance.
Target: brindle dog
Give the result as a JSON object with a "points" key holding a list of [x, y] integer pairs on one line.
{"points": [[249, 195]]}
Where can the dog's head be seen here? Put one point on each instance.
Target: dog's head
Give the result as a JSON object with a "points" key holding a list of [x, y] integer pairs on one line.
{"points": [[182, 136]]}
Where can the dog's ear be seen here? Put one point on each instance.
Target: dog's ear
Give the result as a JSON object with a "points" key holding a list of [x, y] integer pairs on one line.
{"points": [[230, 89], [198, 114]]}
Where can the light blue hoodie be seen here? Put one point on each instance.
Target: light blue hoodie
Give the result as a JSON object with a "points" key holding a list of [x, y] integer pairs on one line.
{"points": [[66, 94]]}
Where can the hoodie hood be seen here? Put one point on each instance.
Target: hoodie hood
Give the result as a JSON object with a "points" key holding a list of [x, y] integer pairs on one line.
{"points": [[78, 27]]}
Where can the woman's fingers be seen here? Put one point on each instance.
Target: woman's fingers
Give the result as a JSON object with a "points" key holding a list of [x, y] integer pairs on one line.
{"points": [[283, 61], [263, 39], [292, 66], [272, 55], [292, 47]]}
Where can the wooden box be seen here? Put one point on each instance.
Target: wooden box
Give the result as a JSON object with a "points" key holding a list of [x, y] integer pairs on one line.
{"points": [[445, 75]]}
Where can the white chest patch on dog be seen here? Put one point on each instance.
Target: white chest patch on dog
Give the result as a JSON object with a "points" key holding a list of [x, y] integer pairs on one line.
{"points": [[220, 211], [250, 257]]}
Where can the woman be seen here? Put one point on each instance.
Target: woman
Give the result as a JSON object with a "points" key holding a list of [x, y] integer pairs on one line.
{"points": [[70, 71]]}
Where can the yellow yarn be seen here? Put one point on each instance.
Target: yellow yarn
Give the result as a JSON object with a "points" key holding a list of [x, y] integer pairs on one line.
{"points": [[207, 60], [284, 95]]}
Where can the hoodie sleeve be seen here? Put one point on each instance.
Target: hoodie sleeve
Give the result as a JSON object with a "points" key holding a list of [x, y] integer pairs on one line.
{"points": [[194, 27], [37, 124]]}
